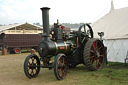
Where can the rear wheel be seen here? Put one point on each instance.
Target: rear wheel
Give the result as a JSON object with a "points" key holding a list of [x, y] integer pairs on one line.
{"points": [[60, 66], [94, 55]]}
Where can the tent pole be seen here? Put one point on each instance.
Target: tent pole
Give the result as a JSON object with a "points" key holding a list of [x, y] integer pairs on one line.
{"points": [[37, 29], [15, 29], [112, 5]]}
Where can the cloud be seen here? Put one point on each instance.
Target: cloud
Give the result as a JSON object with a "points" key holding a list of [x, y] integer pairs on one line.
{"points": [[12, 11], [73, 11]]}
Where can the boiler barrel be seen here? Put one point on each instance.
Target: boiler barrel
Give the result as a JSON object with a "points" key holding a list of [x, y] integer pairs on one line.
{"points": [[63, 47], [53, 48]]}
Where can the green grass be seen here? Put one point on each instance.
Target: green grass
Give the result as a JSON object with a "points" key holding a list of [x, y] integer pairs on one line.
{"points": [[109, 75], [12, 73]]}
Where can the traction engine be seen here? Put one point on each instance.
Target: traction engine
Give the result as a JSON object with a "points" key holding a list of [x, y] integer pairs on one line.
{"points": [[61, 50]]}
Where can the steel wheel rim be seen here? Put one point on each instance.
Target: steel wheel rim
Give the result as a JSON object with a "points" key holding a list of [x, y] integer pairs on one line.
{"points": [[32, 66], [97, 55], [17, 50], [62, 67]]}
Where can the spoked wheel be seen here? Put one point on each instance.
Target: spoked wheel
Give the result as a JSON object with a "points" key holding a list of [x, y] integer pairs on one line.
{"points": [[60, 66], [84, 33], [32, 66], [94, 55]]}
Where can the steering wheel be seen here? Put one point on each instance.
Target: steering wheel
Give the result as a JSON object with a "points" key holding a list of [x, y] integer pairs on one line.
{"points": [[85, 34]]}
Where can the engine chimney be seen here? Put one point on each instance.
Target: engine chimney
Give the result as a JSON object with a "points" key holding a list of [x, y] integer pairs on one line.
{"points": [[45, 19]]}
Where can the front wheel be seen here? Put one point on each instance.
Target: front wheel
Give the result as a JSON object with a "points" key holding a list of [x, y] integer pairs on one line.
{"points": [[32, 66], [60, 66]]}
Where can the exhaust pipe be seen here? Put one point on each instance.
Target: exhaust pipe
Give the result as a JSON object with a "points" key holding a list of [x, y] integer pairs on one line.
{"points": [[45, 20]]}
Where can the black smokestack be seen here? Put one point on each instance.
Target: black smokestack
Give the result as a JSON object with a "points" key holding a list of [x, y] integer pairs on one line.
{"points": [[45, 18]]}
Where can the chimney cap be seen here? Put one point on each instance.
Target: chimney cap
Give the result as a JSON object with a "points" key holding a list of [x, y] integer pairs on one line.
{"points": [[45, 8]]}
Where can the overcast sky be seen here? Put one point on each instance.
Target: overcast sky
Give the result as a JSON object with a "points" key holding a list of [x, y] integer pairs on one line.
{"points": [[67, 11]]}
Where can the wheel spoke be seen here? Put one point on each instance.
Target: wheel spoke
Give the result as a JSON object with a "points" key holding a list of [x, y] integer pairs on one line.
{"points": [[63, 72], [92, 57], [29, 63], [93, 46], [32, 60], [59, 72], [32, 72], [92, 51], [29, 66], [99, 63], [60, 62], [99, 48], [28, 70], [101, 55], [94, 64], [59, 69], [93, 60]]}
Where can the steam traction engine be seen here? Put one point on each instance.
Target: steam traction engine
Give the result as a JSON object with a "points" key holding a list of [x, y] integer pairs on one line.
{"points": [[68, 50]]}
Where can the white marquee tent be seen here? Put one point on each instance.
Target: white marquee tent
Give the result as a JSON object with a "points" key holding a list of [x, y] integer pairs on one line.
{"points": [[115, 28]]}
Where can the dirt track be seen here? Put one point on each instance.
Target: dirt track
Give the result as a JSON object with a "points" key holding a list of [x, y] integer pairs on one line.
{"points": [[12, 72], [11, 69]]}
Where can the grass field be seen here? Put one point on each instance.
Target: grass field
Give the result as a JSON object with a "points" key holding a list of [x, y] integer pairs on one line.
{"points": [[11, 73]]}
